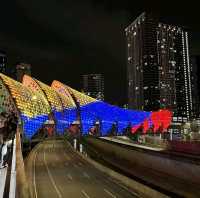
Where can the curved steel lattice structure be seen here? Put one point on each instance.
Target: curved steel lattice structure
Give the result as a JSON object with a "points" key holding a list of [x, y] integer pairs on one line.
{"points": [[35, 102], [63, 108], [109, 116], [33, 109]]}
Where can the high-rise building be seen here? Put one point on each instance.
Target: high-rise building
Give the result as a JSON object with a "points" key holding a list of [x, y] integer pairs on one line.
{"points": [[158, 67], [93, 85], [21, 70], [3, 60], [195, 70]]}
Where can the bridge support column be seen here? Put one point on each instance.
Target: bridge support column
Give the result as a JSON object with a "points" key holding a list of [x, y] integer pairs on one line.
{"points": [[171, 134], [81, 148], [75, 144]]}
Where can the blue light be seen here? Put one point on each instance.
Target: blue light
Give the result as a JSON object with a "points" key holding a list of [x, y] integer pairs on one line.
{"points": [[106, 114], [31, 125], [109, 115]]}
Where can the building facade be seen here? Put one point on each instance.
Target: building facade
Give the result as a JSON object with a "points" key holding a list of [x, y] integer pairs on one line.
{"points": [[158, 67], [3, 61], [93, 85], [195, 69], [21, 70]]}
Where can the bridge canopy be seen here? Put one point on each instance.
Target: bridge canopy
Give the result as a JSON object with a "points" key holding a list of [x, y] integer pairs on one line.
{"points": [[35, 103], [63, 108], [109, 116], [31, 107]]}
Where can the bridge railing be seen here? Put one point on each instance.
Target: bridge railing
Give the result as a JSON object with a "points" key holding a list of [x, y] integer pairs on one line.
{"points": [[17, 185], [3, 174], [22, 188], [8, 189], [12, 191]]}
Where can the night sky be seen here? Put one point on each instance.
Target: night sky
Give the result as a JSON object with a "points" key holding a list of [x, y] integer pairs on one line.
{"points": [[63, 39]]}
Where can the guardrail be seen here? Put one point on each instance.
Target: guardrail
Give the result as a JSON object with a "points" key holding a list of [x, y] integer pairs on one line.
{"points": [[12, 190], [8, 189], [3, 174], [22, 188], [13, 181]]}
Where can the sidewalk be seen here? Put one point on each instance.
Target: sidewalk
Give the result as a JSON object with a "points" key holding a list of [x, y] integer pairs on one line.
{"points": [[114, 139]]}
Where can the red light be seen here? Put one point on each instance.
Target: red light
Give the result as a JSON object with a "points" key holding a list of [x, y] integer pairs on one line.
{"points": [[155, 120], [166, 118], [161, 119], [145, 126], [135, 128]]}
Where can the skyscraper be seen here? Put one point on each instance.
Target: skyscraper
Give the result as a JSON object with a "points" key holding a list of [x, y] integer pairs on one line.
{"points": [[3, 60], [21, 69], [158, 67], [93, 85], [195, 70]]}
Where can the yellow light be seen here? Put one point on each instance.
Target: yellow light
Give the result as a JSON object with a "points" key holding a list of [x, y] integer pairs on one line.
{"points": [[34, 97]]}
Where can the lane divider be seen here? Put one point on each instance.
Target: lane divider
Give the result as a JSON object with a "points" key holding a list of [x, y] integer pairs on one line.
{"points": [[85, 194], [109, 193], [51, 177]]}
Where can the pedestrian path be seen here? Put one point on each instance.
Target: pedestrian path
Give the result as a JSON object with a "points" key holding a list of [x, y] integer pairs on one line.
{"points": [[3, 173], [114, 139]]}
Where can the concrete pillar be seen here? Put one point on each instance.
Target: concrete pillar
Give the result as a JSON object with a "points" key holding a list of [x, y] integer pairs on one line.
{"points": [[75, 144], [171, 135], [81, 148]]}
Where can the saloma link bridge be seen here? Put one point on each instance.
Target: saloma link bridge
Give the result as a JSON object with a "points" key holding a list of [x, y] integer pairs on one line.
{"points": [[36, 104], [54, 169]]}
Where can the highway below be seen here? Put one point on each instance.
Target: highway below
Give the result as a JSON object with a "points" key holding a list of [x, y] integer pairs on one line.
{"points": [[57, 171]]}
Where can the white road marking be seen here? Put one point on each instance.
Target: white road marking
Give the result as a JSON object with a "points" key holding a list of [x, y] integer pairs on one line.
{"points": [[109, 193], [51, 177], [69, 176], [123, 187], [86, 175], [85, 194], [34, 182]]}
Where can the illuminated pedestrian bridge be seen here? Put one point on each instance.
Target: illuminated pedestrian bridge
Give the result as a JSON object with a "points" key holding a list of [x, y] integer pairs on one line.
{"points": [[36, 103]]}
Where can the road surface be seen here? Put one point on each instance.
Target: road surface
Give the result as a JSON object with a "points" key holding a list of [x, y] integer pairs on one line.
{"points": [[58, 171]]}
